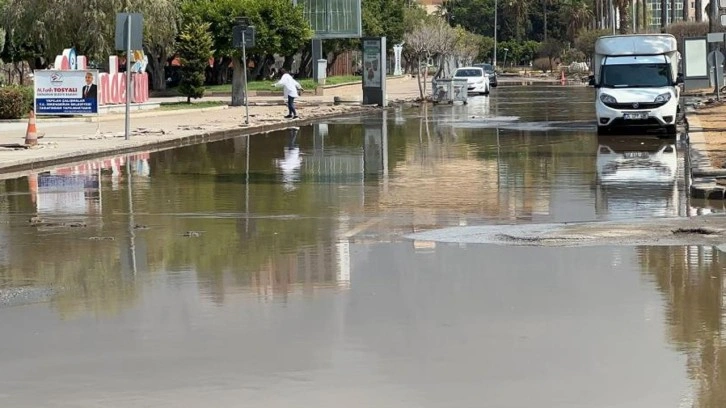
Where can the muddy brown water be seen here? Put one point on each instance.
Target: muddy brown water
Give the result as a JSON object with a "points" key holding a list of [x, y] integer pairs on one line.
{"points": [[274, 270]]}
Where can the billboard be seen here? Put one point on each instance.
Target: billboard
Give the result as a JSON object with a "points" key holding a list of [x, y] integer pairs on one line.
{"points": [[333, 18], [66, 92]]}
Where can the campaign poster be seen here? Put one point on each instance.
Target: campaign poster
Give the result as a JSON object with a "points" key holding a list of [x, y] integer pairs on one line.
{"points": [[73, 92], [372, 63]]}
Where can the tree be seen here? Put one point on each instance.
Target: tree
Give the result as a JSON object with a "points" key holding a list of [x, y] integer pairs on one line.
{"points": [[579, 14], [42, 29], [280, 26], [195, 50], [162, 19], [384, 18], [585, 41], [550, 49]]}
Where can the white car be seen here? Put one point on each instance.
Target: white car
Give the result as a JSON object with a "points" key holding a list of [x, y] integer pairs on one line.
{"points": [[477, 79]]}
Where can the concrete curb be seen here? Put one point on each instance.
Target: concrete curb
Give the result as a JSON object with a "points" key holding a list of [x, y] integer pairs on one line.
{"points": [[140, 145], [702, 174]]}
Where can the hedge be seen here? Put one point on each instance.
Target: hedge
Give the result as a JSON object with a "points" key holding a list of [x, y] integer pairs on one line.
{"points": [[15, 101]]}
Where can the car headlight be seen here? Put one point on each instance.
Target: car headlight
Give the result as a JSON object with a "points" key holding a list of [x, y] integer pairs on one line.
{"points": [[663, 98], [605, 98]]}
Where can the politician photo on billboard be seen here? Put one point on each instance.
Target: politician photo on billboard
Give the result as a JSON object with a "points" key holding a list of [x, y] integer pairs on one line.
{"points": [[67, 92]]}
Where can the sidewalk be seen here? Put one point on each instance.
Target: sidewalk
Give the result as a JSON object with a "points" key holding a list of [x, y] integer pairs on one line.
{"points": [[76, 139]]}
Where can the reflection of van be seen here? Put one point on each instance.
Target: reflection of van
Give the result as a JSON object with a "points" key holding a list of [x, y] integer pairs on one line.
{"points": [[637, 177], [636, 160]]}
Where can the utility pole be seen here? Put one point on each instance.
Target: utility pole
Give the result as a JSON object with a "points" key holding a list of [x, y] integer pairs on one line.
{"points": [[494, 60]]}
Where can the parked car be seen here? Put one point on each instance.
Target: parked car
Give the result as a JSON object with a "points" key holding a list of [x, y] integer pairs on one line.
{"points": [[477, 79], [489, 70]]}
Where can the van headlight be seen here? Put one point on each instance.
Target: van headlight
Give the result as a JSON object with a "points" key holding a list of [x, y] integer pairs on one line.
{"points": [[607, 99], [663, 98]]}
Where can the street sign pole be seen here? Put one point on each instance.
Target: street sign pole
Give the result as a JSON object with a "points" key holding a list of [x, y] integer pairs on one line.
{"points": [[244, 76], [127, 133]]}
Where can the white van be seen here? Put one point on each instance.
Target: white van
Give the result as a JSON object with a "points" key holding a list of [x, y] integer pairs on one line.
{"points": [[636, 77]]}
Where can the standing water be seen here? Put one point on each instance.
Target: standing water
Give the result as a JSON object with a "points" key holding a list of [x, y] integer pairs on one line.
{"points": [[273, 271]]}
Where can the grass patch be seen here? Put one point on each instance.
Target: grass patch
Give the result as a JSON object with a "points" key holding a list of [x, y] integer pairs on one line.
{"points": [[194, 105], [307, 84]]}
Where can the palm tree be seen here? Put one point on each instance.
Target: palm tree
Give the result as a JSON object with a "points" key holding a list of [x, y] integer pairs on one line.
{"points": [[578, 14], [519, 10], [624, 11]]}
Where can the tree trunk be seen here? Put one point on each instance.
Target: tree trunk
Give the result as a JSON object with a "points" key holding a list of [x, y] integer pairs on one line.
{"points": [[625, 19], [221, 66], [685, 10], [157, 62], [418, 79], [637, 16], [699, 11], [287, 64], [238, 85], [646, 28], [663, 14], [305, 69]]}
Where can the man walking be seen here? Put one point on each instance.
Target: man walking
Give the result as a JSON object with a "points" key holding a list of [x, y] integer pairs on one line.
{"points": [[290, 89]]}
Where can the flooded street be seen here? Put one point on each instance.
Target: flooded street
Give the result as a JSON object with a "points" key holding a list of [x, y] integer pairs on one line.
{"points": [[277, 270]]}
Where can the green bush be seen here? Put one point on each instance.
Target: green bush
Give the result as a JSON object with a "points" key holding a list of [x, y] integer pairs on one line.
{"points": [[14, 102], [28, 98]]}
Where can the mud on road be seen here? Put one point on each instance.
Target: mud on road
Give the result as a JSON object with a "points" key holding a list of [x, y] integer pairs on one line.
{"points": [[654, 232]]}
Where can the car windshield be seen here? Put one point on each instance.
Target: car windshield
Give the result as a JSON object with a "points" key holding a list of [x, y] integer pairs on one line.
{"points": [[636, 75], [486, 67], [470, 72]]}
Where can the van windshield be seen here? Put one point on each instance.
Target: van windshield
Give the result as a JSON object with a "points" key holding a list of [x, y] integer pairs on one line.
{"points": [[636, 75]]}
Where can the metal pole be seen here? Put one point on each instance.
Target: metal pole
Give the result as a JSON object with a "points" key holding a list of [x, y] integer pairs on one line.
{"points": [[127, 132], [244, 75], [494, 60], [715, 74]]}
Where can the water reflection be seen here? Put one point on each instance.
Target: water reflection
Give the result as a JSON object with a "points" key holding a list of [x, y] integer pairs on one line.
{"points": [[692, 282], [244, 210], [296, 235], [639, 176]]}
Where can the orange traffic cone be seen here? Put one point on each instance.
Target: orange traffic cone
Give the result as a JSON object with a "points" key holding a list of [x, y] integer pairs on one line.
{"points": [[31, 135], [562, 77]]}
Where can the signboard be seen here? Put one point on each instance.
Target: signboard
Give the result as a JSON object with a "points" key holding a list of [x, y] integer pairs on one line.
{"points": [[372, 63], [374, 71], [333, 18], [66, 92], [137, 31], [694, 58], [714, 37], [249, 41]]}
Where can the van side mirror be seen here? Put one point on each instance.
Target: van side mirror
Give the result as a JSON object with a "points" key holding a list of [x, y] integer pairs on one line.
{"points": [[679, 79], [591, 80]]}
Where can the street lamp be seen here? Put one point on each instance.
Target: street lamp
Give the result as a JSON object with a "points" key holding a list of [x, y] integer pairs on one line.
{"points": [[505, 56]]}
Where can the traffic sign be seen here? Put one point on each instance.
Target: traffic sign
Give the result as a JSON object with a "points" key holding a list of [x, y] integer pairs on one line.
{"points": [[137, 31], [249, 37]]}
